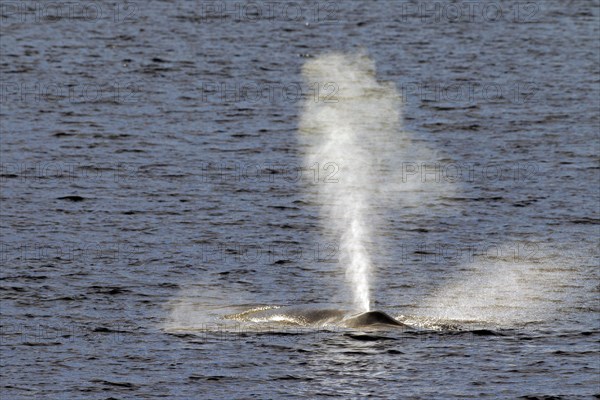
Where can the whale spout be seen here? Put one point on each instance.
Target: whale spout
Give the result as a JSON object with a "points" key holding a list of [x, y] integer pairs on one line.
{"points": [[371, 318]]}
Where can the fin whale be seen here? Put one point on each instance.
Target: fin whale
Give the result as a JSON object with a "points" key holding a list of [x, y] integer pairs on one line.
{"points": [[307, 315]]}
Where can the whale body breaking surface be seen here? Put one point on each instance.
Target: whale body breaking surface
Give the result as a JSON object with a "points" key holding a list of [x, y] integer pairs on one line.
{"points": [[314, 316]]}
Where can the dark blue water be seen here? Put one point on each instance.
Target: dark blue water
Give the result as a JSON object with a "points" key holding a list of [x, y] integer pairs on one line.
{"points": [[153, 181]]}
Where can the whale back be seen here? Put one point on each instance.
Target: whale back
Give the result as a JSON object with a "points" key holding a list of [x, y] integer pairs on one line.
{"points": [[316, 315]]}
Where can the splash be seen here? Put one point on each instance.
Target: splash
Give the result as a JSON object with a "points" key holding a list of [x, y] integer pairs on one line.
{"points": [[503, 293], [347, 128]]}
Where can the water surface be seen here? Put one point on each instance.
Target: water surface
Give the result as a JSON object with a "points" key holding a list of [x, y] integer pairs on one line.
{"points": [[141, 203]]}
